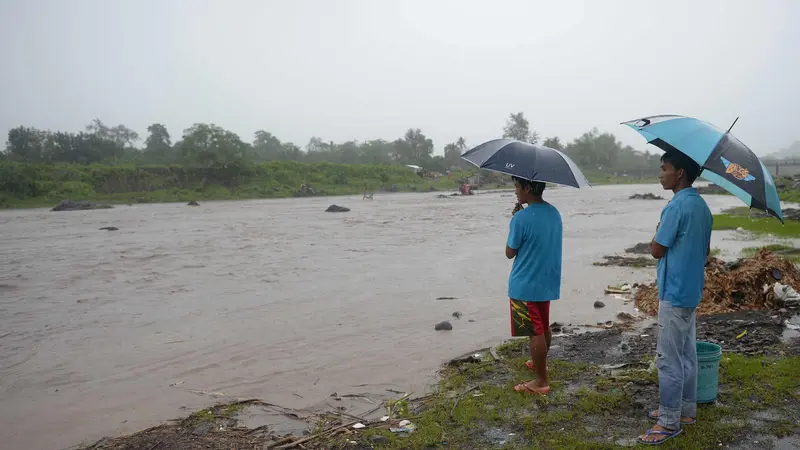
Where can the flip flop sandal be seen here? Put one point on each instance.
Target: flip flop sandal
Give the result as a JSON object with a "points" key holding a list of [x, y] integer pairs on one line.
{"points": [[524, 388], [667, 436], [653, 416]]}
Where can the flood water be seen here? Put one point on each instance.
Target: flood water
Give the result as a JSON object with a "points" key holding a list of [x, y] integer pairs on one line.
{"points": [[103, 333]]}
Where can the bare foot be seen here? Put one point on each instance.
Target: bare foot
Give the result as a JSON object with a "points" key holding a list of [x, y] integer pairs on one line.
{"points": [[532, 387]]}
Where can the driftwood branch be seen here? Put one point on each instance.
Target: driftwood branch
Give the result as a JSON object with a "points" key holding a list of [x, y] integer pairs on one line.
{"points": [[315, 436], [458, 399]]}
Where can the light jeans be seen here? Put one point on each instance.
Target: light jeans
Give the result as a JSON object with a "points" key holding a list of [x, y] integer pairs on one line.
{"points": [[676, 360]]}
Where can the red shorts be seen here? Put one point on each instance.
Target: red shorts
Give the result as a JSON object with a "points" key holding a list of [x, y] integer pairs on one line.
{"points": [[529, 318]]}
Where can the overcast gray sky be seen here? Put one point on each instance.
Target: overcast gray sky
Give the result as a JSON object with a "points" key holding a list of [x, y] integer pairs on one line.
{"points": [[365, 69]]}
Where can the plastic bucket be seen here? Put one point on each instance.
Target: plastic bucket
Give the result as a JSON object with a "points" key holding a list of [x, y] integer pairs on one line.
{"points": [[708, 356]]}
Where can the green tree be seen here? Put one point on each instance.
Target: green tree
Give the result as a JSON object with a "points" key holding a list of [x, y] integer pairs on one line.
{"points": [[412, 147], [158, 145], [209, 145], [25, 144], [517, 127], [461, 144], [553, 142], [315, 144], [266, 146], [377, 151]]}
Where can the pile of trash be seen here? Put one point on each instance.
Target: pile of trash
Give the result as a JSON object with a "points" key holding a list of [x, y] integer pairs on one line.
{"points": [[765, 281]]}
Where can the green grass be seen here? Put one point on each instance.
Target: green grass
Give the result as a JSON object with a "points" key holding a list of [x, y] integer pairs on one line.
{"points": [[602, 406], [758, 225]]}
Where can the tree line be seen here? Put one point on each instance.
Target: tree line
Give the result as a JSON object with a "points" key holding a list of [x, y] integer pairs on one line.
{"points": [[209, 145]]}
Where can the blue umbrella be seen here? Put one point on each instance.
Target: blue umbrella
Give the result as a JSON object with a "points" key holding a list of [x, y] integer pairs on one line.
{"points": [[725, 160], [529, 161]]}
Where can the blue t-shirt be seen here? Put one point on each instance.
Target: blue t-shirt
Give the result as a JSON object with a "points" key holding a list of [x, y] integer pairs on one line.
{"points": [[686, 232], [535, 233]]}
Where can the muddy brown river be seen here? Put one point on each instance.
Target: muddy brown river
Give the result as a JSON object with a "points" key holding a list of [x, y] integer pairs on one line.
{"points": [[109, 332]]}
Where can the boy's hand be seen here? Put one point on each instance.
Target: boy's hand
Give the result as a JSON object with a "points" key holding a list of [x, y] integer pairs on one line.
{"points": [[517, 208]]}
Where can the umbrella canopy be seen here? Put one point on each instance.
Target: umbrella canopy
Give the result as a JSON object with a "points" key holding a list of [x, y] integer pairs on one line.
{"points": [[725, 160], [529, 161]]}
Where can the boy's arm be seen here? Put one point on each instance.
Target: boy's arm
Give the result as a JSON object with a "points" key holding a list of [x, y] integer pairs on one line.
{"points": [[666, 232], [514, 237]]}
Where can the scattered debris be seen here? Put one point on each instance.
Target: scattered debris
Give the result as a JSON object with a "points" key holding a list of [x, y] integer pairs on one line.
{"points": [[786, 295], [647, 196], [470, 358], [109, 229], [443, 326], [621, 290], [746, 284], [69, 205], [457, 314], [192, 203], [627, 261], [337, 208], [306, 190], [405, 426]]}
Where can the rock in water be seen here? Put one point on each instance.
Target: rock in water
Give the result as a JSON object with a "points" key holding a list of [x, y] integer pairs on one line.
{"points": [[443, 326], [599, 304], [641, 249], [624, 316], [337, 208], [647, 196], [69, 205], [110, 228], [457, 314], [192, 203]]}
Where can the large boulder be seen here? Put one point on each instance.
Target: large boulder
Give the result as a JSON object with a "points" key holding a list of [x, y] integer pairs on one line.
{"points": [[69, 205], [192, 203], [337, 208]]}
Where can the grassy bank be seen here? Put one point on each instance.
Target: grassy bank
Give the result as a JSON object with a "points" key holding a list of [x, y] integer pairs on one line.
{"points": [[756, 224], [594, 407], [30, 185], [41, 185]]}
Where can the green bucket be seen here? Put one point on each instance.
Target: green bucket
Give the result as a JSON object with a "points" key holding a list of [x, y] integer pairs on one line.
{"points": [[708, 356]]}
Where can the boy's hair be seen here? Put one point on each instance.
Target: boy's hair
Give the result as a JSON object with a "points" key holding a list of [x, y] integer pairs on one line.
{"points": [[681, 161], [536, 187]]}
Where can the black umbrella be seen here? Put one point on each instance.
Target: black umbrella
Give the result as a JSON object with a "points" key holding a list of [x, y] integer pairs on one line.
{"points": [[529, 161]]}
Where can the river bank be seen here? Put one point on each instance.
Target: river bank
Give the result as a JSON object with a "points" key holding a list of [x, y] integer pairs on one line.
{"points": [[603, 386], [28, 185]]}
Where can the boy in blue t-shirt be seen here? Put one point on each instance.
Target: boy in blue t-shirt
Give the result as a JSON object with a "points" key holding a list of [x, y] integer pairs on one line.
{"points": [[534, 242], [681, 245]]}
